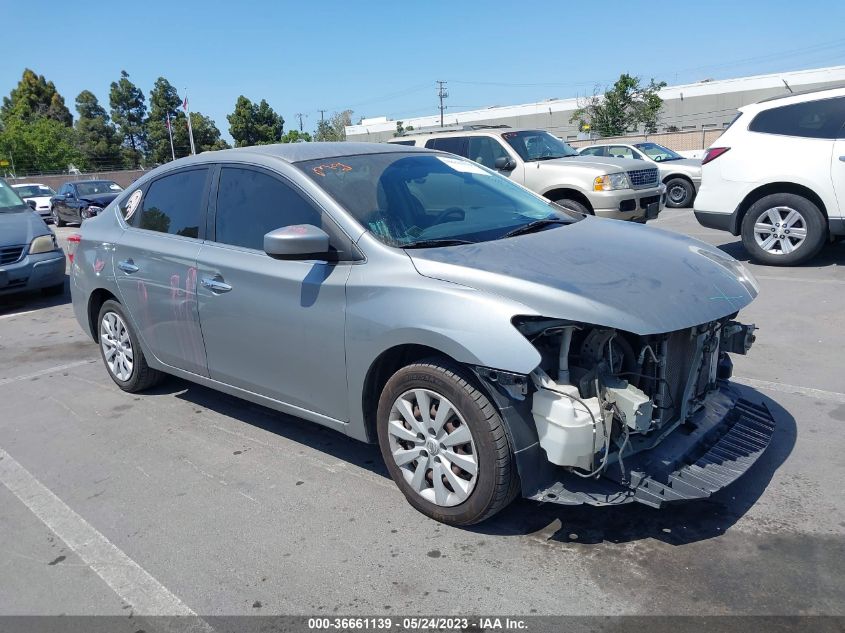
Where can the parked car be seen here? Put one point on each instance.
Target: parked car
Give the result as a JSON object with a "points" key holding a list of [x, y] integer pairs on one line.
{"points": [[78, 201], [777, 177], [682, 176], [493, 343], [36, 196], [622, 189], [30, 257]]}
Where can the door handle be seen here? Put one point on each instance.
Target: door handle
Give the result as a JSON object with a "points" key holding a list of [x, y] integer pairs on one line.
{"points": [[128, 266], [215, 284], [842, 158]]}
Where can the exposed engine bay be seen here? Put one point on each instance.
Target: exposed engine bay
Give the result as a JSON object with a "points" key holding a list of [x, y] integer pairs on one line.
{"points": [[601, 395]]}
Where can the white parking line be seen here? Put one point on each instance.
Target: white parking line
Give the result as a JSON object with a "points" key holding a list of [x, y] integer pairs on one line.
{"points": [[830, 396], [44, 372], [134, 585]]}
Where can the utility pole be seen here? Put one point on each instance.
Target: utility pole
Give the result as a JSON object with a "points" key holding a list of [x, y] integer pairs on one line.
{"points": [[322, 112], [442, 93], [299, 115]]}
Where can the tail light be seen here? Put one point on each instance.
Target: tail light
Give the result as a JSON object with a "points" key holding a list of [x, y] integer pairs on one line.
{"points": [[72, 244], [713, 153]]}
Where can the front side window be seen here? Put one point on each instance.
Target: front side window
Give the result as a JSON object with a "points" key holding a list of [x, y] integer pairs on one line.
{"points": [[485, 150], [622, 151], [813, 119], [173, 204], [535, 145], [251, 203], [411, 200]]}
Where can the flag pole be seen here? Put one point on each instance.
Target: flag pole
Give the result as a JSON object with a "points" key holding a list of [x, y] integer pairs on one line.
{"points": [[170, 134], [190, 129]]}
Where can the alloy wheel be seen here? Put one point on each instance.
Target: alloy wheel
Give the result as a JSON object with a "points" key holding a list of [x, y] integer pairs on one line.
{"points": [[117, 346], [780, 230], [433, 446]]}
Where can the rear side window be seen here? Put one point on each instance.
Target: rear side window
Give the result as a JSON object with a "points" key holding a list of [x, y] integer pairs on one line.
{"points": [[813, 119], [592, 151], [251, 203], [173, 204], [452, 144]]}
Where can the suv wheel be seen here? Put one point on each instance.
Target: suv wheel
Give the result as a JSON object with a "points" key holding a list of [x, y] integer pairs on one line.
{"points": [[783, 229], [679, 193], [57, 221], [573, 205], [122, 355], [444, 444]]}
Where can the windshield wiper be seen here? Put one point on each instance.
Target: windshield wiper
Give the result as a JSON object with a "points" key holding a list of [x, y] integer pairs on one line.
{"points": [[536, 225], [532, 160], [433, 243]]}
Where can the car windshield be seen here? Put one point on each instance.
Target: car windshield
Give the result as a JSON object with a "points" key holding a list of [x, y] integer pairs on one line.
{"points": [[421, 199], [33, 191], [533, 145], [96, 187], [657, 152], [9, 200]]}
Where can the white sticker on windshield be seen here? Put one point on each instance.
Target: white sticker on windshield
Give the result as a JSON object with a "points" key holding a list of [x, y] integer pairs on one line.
{"points": [[463, 166], [115, 187]]}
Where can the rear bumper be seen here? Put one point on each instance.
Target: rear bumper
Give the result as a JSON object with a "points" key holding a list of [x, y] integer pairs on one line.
{"points": [[724, 439], [716, 220]]}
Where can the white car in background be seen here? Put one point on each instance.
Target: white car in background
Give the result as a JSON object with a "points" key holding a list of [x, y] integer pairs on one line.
{"points": [[777, 177], [681, 175], [37, 193]]}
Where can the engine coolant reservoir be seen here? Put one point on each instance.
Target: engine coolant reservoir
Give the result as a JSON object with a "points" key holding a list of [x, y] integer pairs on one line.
{"points": [[566, 428]]}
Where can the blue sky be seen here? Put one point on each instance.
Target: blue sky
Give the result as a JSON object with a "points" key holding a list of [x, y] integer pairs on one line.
{"points": [[382, 58]]}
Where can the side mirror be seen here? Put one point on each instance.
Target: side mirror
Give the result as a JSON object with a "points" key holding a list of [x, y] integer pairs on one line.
{"points": [[68, 194], [298, 241], [504, 163], [31, 204]]}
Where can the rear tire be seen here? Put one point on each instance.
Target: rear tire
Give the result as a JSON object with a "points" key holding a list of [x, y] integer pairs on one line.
{"points": [[463, 498], [121, 351], [783, 229], [679, 193]]}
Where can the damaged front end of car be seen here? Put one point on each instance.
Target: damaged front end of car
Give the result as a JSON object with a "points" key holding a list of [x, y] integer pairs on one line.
{"points": [[612, 417]]}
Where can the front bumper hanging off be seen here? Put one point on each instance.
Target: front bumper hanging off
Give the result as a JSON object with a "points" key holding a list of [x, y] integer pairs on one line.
{"points": [[716, 447]]}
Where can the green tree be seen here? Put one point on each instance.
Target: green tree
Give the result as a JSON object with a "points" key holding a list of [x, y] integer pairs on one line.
{"points": [[35, 97], [294, 136], [334, 128], [96, 138], [206, 135], [129, 111], [164, 101], [43, 144], [254, 124], [623, 107]]}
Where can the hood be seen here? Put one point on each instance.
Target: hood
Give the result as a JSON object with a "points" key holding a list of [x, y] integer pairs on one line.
{"points": [[593, 163], [20, 227], [100, 199], [603, 272]]}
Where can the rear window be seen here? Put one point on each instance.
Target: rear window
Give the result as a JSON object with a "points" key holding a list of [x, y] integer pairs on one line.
{"points": [[452, 144], [173, 204], [814, 119]]}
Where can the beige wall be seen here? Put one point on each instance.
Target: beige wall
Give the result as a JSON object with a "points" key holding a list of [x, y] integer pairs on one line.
{"points": [[678, 141], [124, 178]]}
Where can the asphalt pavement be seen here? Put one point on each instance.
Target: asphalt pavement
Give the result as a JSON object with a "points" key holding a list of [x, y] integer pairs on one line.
{"points": [[184, 500]]}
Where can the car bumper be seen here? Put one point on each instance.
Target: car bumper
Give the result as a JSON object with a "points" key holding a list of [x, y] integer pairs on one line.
{"points": [[727, 437], [638, 205], [33, 272], [715, 220]]}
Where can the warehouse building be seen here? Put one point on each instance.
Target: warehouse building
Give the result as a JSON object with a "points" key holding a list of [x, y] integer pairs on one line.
{"points": [[707, 106]]}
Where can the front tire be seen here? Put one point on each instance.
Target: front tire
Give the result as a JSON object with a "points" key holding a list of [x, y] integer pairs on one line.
{"points": [[574, 205], [121, 353], [57, 220], [445, 444], [783, 229], [679, 193]]}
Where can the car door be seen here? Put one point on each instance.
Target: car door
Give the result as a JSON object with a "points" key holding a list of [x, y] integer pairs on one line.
{"points": [[155, 266], [485, 150], [837, 170], [272, 327], [60, 199]]}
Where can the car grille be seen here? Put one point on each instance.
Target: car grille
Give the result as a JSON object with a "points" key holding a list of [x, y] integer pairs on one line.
{"points": [[643, 178], [10, 254]]}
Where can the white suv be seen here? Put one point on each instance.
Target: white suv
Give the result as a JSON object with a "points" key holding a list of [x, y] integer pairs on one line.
{"points": [[777, 176]]}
